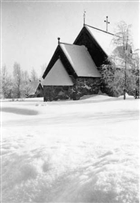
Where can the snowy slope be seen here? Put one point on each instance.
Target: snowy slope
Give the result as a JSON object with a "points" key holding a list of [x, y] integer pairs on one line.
{"points": [[71, 151], [104, 39], [80, 58]]}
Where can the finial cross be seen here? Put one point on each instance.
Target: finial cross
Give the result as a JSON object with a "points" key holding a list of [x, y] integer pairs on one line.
{"points": [[107, 22]]}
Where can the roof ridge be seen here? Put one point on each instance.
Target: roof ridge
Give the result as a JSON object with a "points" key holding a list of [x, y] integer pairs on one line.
{"points": [[65, 43], [99, 29], [71, 44]]}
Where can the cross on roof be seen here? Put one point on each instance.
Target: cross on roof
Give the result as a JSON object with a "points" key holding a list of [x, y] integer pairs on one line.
{"points": [[107, 22]]}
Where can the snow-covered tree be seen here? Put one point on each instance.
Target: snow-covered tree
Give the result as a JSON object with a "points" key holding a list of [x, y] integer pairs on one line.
{"points": [[25, 84], [17, 80], [6, 83], [119, 76], [43, 68], [34, 76]]}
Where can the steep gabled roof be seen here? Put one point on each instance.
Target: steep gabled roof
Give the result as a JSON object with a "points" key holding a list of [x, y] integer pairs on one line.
{"points": [[59, 54], [103, 38], [80, 60], [98, 42], [90, 50], [34, 85], [76, 60], [57, 76]]}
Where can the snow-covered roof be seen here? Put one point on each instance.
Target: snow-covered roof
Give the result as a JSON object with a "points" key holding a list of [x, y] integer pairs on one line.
{"points": [[57, 76], [80, 60], [103, 38], [33, 86]]}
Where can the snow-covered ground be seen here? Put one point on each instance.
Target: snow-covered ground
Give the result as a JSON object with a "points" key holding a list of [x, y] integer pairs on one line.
{"points": [[70, 151]]}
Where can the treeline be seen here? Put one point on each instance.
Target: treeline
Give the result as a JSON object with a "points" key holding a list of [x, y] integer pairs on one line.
{"points": [[18, 83]]}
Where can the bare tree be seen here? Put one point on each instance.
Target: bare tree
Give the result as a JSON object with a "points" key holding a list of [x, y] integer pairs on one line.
{"points": [[136, 72], [25, 84], [6, 83], [118, 75], [34, 76], [123, 51], [17, 78], [43, 68]]}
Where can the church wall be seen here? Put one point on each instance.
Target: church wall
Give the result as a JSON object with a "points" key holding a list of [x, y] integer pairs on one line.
{"points": [[82, 86], [53, 93], [87, 86]]}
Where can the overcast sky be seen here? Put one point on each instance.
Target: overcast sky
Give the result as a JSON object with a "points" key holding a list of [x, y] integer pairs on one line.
{"points": [[30, 29]]}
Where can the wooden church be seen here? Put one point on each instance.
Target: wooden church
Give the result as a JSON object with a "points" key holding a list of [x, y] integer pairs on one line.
{"points": [[75, 69]]}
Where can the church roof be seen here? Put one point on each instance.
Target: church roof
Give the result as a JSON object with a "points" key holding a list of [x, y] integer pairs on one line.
{"points": [[57, 76], [34, 86], [103, 38], [80, 60], [90, 50]]}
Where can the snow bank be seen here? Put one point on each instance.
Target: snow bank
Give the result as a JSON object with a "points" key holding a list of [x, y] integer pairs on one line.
{"points": [[71, 152]]}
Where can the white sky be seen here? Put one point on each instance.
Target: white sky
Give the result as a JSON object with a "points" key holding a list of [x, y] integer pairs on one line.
{"points": [[30, 29]]}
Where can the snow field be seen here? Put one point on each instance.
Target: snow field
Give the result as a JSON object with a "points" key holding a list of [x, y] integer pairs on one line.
{"points": [[82, 151]]}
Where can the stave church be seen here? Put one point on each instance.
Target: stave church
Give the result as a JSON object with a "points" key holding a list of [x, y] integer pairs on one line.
{"points": [[75, 69]]}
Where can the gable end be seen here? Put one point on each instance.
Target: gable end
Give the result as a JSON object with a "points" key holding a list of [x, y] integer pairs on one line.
{"points": [[59, 54], [96, 52]]}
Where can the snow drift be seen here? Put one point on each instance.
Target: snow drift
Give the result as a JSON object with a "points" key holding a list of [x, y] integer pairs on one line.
{"points": [[82, 151]]}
